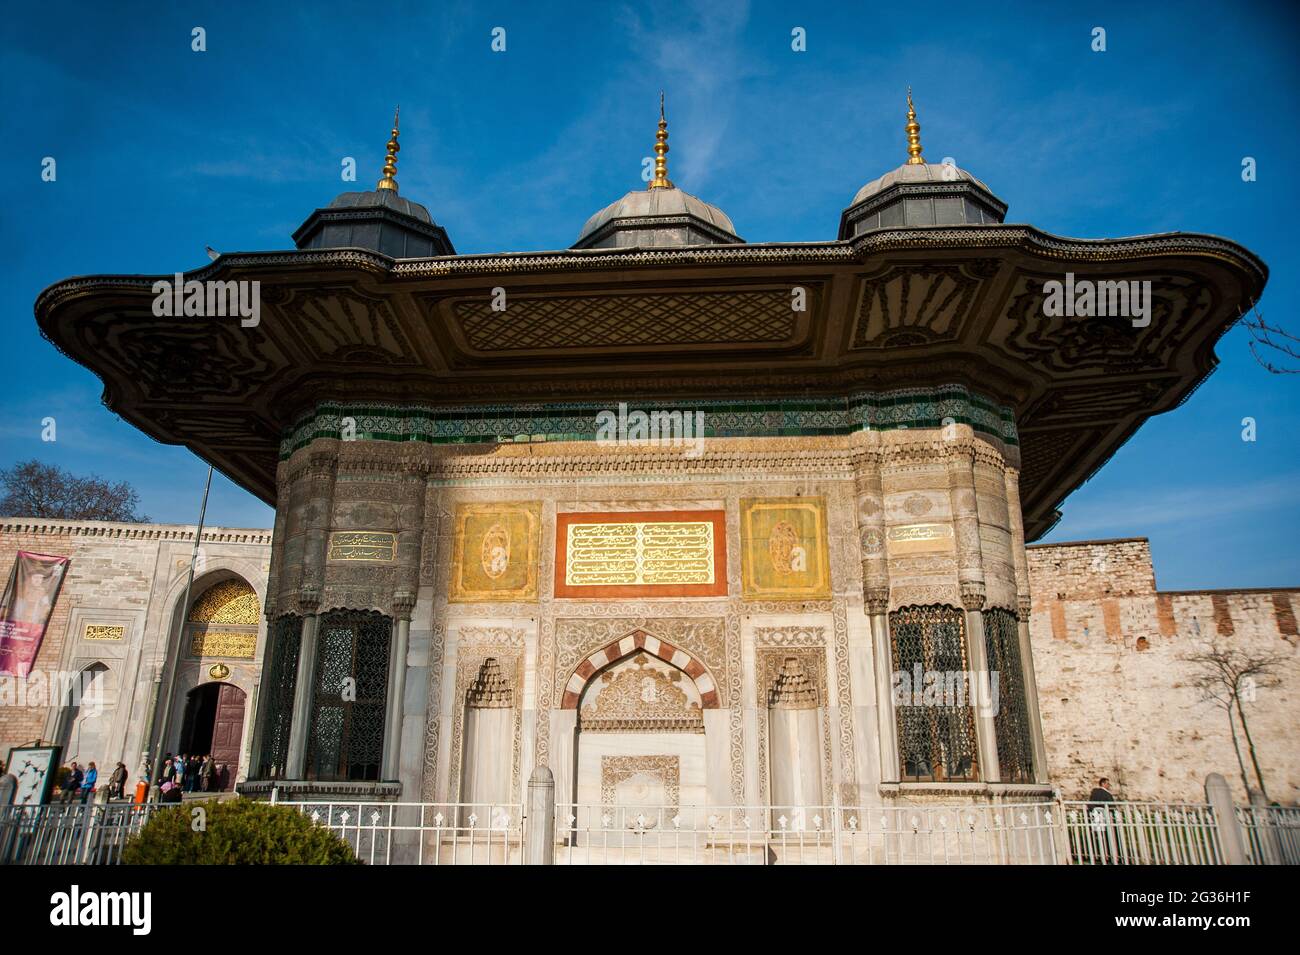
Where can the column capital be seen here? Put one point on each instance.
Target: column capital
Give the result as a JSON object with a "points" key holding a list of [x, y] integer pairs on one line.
{"points": [[972, 594], [403, 604], [876, 599], [308, 599], [1024, 605]]}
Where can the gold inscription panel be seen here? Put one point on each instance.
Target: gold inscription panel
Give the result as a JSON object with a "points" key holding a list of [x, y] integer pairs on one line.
{"points": [[362, 545], [920, 538], [96, 632], [223, 643], [641, 553]]}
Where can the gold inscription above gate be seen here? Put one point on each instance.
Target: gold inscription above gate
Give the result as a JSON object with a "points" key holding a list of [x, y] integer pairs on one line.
{"points": [[362, 545], [223, 643]]}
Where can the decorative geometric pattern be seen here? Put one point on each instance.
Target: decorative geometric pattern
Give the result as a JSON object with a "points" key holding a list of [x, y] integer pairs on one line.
{"points": [[936, 740], [610, 320], [346, 740], [231, 601], [574, 421], [1011, 722], [279, 685]]}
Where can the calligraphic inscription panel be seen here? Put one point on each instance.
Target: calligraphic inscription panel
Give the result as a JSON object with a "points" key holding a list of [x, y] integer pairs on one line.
{"points": [[362, 545], [920, 539], [641, 554]]}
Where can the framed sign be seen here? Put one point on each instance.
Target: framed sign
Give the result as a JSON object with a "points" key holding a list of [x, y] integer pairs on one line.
{"points": [[35, 768]]}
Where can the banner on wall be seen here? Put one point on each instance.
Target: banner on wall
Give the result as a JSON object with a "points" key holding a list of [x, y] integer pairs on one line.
{"points": [[25, 609]]}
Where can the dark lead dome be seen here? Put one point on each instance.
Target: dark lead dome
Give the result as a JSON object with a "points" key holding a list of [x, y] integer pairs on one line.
{"points": [[381, 221]]}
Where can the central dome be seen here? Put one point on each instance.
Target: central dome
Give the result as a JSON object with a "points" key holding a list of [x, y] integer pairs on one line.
{"points": [[659, 216]]}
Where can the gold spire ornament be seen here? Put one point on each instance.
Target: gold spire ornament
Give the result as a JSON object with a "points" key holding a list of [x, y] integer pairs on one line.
{"points": [[661, 181], [390, 162], [913, 134]]}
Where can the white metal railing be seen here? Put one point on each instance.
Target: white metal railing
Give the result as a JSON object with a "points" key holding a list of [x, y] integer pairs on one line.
{"points": [[93, 833], [1139, 833], [823, 835], [1271, 834], [424, 833]]}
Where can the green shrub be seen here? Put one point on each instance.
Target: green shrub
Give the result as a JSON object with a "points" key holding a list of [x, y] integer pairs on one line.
{"points": [[236, 832]]}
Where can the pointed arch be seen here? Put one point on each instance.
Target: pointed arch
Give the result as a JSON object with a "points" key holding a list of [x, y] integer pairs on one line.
{"points": [[625, 646]]}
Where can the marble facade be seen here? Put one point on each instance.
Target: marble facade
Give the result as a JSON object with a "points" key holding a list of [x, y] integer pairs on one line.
{"points": [[820, 538]]}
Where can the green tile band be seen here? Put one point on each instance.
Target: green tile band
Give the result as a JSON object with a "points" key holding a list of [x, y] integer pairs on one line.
{"points": [[576, 421]]}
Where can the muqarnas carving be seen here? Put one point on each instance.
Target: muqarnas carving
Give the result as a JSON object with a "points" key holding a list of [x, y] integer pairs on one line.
{"points": [[496, 548], [784, 549]]}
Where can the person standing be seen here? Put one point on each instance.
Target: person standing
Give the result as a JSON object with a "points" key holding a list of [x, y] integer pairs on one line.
{"points": [[179, 767], [88, 782], [117, 782], [205, 773]]}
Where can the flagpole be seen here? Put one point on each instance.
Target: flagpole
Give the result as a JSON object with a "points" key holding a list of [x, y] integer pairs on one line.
{"points": [[169, 690]]}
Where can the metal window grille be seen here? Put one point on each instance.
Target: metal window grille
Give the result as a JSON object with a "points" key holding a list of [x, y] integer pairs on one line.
{"points": [[1011, 722], [348, 701], [936, 733], [281, 682]]}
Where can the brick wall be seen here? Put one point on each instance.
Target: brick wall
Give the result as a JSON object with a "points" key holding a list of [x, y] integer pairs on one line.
{"points": [[1113, 684]]}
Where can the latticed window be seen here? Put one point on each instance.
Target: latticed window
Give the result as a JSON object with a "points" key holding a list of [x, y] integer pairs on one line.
{"points": [[1015, 745], [348, 702], [936, 723], [278, 686]]}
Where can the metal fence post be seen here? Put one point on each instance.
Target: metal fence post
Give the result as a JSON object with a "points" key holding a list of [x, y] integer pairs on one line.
{"points": [[539, 818], [1263, 831], [1219, 797]]}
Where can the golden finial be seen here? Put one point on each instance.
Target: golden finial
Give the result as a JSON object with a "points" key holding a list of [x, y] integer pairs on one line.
{"points": [[390, 161], [661, 181], [913, 134]]}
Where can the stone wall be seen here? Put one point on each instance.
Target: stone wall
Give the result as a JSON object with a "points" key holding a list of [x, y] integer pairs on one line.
{"points": [[128, 576], [1113, 683]]}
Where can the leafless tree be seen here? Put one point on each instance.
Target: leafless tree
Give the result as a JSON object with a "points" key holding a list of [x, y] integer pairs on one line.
{"points": [[1281, 345], [1228, 676], [33, 489]]}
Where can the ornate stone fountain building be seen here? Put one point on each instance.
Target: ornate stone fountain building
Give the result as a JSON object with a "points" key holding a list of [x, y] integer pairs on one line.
{"points": [[687, 519]]}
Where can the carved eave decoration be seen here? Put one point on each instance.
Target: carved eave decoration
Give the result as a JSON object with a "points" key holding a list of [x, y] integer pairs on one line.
{"points": [[893, 308]]}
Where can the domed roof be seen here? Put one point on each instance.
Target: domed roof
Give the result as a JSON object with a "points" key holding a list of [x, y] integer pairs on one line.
{"points": [[381, 198], [659, 216], [920, 193], [916, 172], [380, 220]]}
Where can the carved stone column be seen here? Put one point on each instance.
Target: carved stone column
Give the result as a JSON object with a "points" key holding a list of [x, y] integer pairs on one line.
{"points": [[1024, 606], [970, 581], [304, 689], [296, 761], [488, 745], [875, 594], [887, 721], [972, 598], [320, 475], [794, 743], [403, 603]]}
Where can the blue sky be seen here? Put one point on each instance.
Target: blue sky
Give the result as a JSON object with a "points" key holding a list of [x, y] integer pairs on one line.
{"points": [[162, 151]]}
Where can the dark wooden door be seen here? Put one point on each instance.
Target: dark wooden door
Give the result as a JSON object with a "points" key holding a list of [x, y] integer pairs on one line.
{"points": [[227, 734]]}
